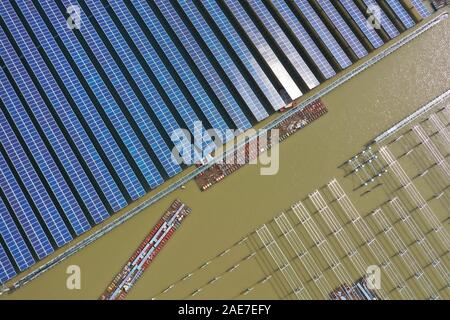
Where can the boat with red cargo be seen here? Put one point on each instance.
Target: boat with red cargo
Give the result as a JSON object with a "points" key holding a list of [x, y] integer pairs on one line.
{"points": [[146, 252]]}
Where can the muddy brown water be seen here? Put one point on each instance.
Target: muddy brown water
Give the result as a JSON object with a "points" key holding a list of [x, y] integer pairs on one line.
{"points": [[358, 111]]}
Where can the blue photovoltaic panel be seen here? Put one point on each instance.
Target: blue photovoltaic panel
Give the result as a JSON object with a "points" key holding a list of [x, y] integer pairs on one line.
{"points": [[24, 168], [225, 61], [342, 27], [246, 56], [264, 49], [42, 155], [13, 239], [302, 35], [146, 86], [152, 95], [284, 43], [103, 96], [134, 145], [204, 65], [361, 21], [401, 13], [123, 88], [420, 6], [385, 22], [22, 210], [71, 165], [87, 109], [187, 113], [116, 76], [6, 268], [140, 116], [76, 132], [152, 23], [324, 34]]}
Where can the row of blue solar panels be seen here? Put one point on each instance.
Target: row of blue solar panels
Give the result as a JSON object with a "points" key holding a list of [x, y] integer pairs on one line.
{"points": [[138, 36], [358, 17], [244, 53], [264, 49], [6, 268], [89, 117], [343, 28], [23, 211], [305, 39], [88, 114], [385, 23], [155, 104], [126, 93], [226, 62], [13, 239], [323, 33], [53, 133], [401, 13], [23, 166], [421, 8], [203, 63], [284, 43]]}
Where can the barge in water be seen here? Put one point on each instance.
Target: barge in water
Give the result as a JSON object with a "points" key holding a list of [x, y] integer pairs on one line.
{"points": [[146, 252], [251, 150]]}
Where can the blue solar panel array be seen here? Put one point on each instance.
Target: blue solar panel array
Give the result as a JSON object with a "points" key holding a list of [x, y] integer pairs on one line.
{"points": [[401, 13], [13, 239], [343, 28], [203, 63], [244, 53], [284, 43], [385, 23], [358, 17], [89, 117], [421, 8], [305, 39], [324, 34], [264, 49], [6, 268]]}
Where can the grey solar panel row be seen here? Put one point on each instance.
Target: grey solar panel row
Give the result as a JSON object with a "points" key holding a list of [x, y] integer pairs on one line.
{"points": [[89, 118]]}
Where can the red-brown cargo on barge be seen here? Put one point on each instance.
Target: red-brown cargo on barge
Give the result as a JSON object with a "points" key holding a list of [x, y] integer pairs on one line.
{"points": [[146, 252], [250, 151]]}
